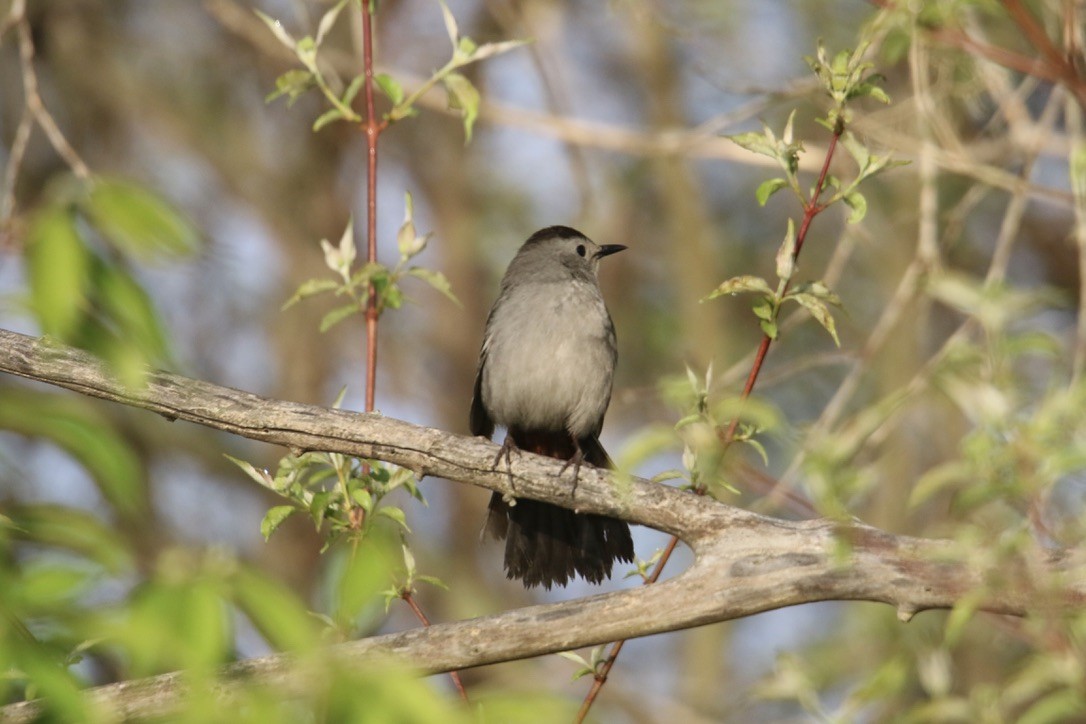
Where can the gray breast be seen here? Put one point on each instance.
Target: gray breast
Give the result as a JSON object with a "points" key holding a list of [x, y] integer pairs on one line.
{"points": [[550, 358]]}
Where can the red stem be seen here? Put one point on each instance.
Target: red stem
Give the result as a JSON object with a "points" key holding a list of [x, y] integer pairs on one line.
{"points": [[811, 209], [373, 131], [373, 127], [454, 675], [605, 669]]}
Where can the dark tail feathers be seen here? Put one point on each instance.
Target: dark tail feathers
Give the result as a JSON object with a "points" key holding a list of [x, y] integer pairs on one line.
{"points": [[548, 545]]}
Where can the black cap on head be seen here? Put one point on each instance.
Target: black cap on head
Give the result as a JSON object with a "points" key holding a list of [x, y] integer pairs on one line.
{"points": [[555, 232]]}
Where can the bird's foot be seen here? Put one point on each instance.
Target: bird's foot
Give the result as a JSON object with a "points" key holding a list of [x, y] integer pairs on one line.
{"points": [[576, 461], [506, 451]]}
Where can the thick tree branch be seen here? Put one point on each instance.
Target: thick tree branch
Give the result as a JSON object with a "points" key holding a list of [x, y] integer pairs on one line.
{"points": [[745, 563]]}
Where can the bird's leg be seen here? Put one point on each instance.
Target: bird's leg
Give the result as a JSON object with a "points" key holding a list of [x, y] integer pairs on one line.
{"points": [[507, 449], [576, 461]]}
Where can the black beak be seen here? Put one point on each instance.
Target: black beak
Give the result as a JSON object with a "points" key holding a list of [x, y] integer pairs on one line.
{"points": [[608, 249]]}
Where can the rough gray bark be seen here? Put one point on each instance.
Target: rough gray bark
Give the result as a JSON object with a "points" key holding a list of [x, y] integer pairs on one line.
{"points": [[745, 563]]}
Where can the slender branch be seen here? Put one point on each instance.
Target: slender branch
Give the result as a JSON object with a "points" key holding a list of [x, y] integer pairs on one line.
{"points": [[15, 162], [811, 209], [33, 97], [373, 132], [34, 111], [373, 128]]}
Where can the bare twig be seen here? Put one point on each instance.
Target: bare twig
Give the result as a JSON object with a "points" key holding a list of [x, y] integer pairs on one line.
{"points": [[33, 97], [34, 111], [15, 162], [372, 129]]}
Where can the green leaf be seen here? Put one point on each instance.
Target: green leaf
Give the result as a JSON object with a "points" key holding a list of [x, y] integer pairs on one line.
{"points": [[819, 311], [260, 476], [277, 30], [871, 90], [77, 428], [489, 50], [292, 84], [337, 315], [375, 273], [306, 50], [395, 514], [329, 116], [758, 447], [48, 584], [138, 222], [941, 477], [857, 150], [433, 581], [450, 23], [466, 48], [339, 258], [764, 309], [308, 288], [735, 285], [960, 615], [389, 86], [576, 658], [436, 280], [276, 612], [687, 420], [68, 529], [855, 201], [463, 96], [361, 576], [319, 505], [407, 238], [132, 313], [356, 85], [818, 290], [770, 328], [389, 295], [756, 142], [328, 20], [769, 187], [362, 498], [786, 254], [274, 517], [58, 268]]}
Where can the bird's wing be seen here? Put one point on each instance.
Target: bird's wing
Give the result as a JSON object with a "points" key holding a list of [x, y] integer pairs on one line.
{"points": [[479, 420], [594, 452]]}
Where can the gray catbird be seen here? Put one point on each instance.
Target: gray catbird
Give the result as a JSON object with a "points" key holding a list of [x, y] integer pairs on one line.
{"points": [[545, 374]]}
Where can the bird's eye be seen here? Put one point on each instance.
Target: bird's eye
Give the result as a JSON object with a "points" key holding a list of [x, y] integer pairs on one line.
{"points": [[580, 250]]}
